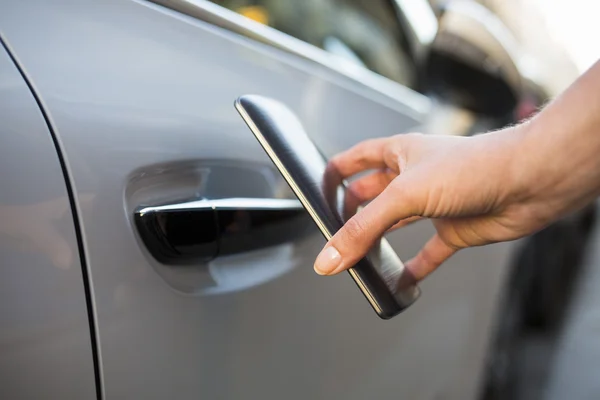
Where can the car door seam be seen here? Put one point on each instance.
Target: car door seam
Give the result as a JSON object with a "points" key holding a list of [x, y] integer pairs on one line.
{"points": [[75, 215]]}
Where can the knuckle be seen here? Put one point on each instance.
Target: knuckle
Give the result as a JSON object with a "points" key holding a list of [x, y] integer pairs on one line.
{"points": [[410, 195], [363, 149], [428, 258], [357, 191], [359, 147], [406, 139], [398, 153], [336, 160], [357, 185], [354, 231]]}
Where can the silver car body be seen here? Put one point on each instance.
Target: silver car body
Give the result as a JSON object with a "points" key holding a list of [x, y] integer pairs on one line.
{"points": [[135, 102]]}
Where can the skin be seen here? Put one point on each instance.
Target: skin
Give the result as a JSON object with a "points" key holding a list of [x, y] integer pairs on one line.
{"points": [[477, 190]]}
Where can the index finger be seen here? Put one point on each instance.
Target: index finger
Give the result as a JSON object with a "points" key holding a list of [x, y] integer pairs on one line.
{"points": [[360, 232], [366, 155]]}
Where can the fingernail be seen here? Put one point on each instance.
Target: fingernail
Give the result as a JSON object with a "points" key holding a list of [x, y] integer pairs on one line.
{"points": [[327, 261]]}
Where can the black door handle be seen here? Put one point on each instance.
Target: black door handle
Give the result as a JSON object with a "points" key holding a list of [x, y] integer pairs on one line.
{"points": [[198, 231]]}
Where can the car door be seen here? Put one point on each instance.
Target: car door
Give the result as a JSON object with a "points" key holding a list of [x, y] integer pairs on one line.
{"points": [[141, 98], [44, 328]]}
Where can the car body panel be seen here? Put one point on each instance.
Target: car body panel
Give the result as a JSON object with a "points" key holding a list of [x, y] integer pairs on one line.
{"points": [[44, 329], [142, 101]]}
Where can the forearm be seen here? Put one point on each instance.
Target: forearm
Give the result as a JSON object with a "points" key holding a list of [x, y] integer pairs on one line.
{"points": [[558, 160]]}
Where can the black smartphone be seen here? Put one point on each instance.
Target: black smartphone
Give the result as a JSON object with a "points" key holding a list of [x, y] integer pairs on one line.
{"points": [[381, 276]]}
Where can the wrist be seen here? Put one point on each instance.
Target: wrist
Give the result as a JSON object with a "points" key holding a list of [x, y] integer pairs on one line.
{"points": [[511, 162], [540, 172], [523, 165]]}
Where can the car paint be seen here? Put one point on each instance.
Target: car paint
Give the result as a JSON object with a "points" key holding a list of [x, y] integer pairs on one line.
{"points": [[359, 77], [44, 332], [141, 100]]}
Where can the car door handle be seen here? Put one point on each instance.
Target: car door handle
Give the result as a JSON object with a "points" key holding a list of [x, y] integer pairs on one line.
{"points": [[198, 231]]}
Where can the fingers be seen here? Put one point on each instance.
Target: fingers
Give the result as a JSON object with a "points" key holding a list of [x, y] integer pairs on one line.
{"points": [[431, 256], [363, 156], [358, 235], [368, 187], [365, 189]]}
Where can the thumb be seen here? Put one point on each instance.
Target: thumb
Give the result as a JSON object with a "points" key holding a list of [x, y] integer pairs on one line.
{"points": [[359, 234]]}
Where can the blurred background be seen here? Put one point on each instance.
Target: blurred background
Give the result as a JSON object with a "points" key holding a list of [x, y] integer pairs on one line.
{"points": [[491, 62], [538, 46]]}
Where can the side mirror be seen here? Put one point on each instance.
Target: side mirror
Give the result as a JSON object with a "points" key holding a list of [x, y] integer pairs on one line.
{"points": [[473, 61], [419, 25], [467, 57]]}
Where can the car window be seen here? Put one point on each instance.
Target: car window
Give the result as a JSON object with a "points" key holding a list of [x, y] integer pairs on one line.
{"points": [[364, 31]]}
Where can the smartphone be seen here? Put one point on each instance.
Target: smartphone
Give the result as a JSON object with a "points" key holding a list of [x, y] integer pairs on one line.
{"points": [[381, 276]]}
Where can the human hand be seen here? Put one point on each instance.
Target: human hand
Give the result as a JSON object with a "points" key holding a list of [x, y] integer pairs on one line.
{"points": [[471, 188], [477, 190]]}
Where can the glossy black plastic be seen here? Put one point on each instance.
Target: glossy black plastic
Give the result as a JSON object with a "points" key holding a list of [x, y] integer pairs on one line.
{"points": [[243, 230], [179, 237], [198, 231]]}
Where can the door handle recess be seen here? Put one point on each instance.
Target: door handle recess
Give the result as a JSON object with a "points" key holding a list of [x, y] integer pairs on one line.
{"points": [[198, 231]]}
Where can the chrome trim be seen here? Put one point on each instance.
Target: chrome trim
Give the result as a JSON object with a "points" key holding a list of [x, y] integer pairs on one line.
{"points": [[236, 203], [214, 14]]}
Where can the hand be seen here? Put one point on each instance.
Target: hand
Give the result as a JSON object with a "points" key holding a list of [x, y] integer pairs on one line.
{"points": [[469, 187], [478, 190]]}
